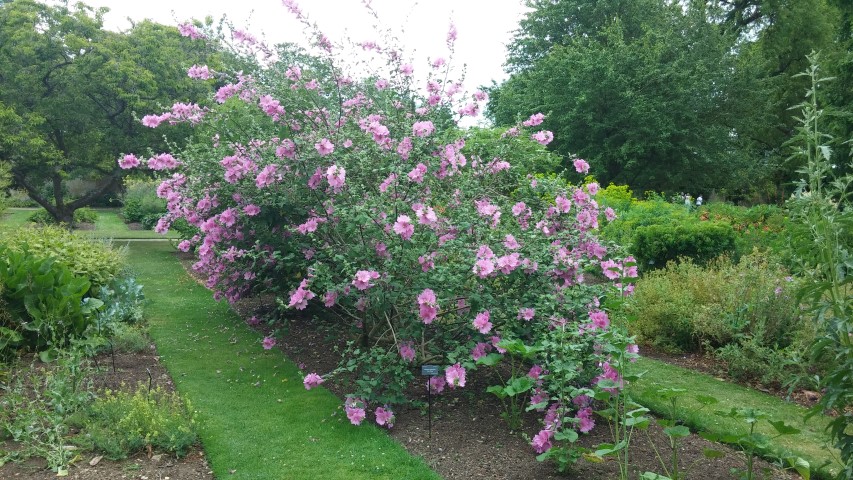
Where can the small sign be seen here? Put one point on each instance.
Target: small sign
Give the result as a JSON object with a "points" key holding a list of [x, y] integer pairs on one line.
{"points": [[429, 370]]}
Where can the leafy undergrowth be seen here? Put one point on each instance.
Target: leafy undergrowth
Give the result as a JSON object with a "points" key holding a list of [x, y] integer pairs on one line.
{"points": [[811, 443], [257, 420]]}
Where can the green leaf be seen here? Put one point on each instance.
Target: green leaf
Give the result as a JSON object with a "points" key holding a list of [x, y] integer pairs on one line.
{"points": [[490, 360], [567, 435], [783, 428], [801, 466], [677, 431], [706, 399], [711, 453], [653, 476], [497, 390]]}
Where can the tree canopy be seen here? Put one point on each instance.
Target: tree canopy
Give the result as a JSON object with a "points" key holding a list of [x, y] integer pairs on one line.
{"points": [[71, 94], [674, 96]]}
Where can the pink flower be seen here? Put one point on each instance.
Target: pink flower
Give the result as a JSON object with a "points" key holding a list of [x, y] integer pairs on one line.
{"points": [[266, 177], [534, 120], [407, 69], [336, 176], [482, 323], [611, 269], [330, 298], [200, 72], [455, 375], [535, 372], [544, 137], [128, 161], [508, 263], [479, 351], [592, 188], [581, 166], [423, 129], [252, 210], [511, 243], [609, 214], [484, 267], [428, 306], [312, 380], [383, 187], [384, 417], [162, 161], [407, 351], [299, 298], [403, 227], [436, 384], [268, 343], [363, 278], [417, 173], [599, 319], [189, 30], [324, 147], [542, 441], [355, 415], [518, 208], [586, 422], [526, 313]]}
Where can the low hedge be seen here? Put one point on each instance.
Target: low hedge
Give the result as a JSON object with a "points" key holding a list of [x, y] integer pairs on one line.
{"points": [[656, 245]]}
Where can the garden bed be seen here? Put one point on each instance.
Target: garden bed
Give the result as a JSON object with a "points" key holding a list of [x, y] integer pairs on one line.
{"points": [[468, 439], [123, 371]]}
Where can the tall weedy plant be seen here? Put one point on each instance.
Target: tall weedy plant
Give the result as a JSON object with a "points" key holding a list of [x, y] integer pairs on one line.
{"points": [[822, 204]]}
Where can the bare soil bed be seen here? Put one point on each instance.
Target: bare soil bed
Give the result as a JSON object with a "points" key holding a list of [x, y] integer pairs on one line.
{"points": [[128, 370]]}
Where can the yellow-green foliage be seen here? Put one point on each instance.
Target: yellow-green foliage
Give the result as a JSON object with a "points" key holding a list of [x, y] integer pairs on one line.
{"points": [[684, 306], [617, 197], [94, 260], [122, 423]]}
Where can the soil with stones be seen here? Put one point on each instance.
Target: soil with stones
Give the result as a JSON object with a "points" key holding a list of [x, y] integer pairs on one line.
{"points": [[123, 371]]}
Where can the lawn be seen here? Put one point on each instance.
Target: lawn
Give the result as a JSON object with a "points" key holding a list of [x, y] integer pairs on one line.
{"points": [[108, 225], [258, 421], [810, 443]]}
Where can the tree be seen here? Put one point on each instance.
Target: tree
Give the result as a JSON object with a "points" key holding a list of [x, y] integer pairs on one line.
{"points": [[644, 90], [78, 90]]}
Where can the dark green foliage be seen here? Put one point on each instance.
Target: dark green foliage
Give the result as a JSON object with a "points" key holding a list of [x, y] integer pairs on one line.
{"points": [[44, 300], [81, 215], [71, 93], [656, 245], [141, 204]]}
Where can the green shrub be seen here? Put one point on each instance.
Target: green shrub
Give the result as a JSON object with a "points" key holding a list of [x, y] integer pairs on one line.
{"points": [[123, 300], [120, 424], [129, 338], [656, 245], [81, 215], [97, 261], [141, 204], [656, 211], [20, 199], [617, 197], [685, 307], [44, 300]]}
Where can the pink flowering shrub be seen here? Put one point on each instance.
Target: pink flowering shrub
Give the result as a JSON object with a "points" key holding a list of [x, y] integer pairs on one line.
{"points": [[361, 196]]}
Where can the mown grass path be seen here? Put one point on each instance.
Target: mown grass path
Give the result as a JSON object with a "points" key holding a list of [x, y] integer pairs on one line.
{"points": [[258, 421], [810, 443]]}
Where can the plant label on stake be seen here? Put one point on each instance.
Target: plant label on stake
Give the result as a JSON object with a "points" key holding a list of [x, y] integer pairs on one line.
{"points": [[429, 371]]}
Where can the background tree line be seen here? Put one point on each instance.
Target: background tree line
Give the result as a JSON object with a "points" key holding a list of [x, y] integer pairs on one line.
{"points": [[690, 95], [72, 93]]}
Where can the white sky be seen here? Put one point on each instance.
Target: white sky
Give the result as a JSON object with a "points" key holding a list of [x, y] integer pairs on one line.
{"points": [[484, 26]]}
